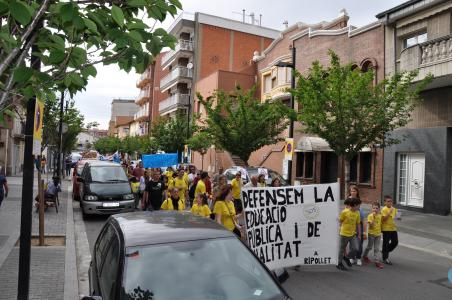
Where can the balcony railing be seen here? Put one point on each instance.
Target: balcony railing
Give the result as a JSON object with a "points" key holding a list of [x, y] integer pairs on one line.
{"points": [[173, 102], [182, 45], [433, 56], [144, 79], [142, 113], [143, 96], [175, 75]]}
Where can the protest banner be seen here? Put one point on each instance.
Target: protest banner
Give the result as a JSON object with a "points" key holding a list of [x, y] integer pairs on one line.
{"points": [[293, 225], [159, 160]]}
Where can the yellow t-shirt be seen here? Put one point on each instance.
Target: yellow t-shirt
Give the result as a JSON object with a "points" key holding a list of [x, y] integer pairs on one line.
{"points": [[236, 188], [374, 229], [135, 187], [388, 224], [200, 188], [203, 211], [182, 186], [227, 211], [168, 205], [349, 220], [169, 174], [186, 178]]}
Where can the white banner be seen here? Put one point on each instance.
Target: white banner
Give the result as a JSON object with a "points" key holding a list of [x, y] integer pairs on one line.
{"points": [[293, 225]]}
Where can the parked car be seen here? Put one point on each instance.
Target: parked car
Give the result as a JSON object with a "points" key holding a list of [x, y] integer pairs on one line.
{"points": [[175, 255], [250, 171], [105, 189], [77, 172]]}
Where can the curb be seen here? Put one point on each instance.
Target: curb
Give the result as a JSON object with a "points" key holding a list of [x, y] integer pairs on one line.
{"points": [[71, 288], [83, 253]]}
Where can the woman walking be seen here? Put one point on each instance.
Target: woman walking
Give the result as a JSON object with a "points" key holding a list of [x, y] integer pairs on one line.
{"points": [[224, 211]]}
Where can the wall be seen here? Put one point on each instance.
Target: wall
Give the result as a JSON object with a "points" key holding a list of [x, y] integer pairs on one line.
{"points": [[157, 96], [436, 143]]}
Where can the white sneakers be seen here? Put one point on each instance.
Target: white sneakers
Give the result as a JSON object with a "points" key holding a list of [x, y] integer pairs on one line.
{"points": [[359, 262]]}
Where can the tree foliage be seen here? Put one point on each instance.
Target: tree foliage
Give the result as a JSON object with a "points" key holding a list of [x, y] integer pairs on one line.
{"points": [[50, 131], [200, 142], [129, 145], [345, 107], [170, 133], [241, 124], [71, 38]]}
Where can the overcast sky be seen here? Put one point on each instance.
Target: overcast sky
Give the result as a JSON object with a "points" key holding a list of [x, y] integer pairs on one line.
{"points": [[111, 83]]}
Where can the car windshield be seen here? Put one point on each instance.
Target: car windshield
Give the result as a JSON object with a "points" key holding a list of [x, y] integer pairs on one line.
{"points": [[107, 173], [211, 269]]}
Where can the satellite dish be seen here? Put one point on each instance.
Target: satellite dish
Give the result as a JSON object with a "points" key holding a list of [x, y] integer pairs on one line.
{"points": [[189, 65]]}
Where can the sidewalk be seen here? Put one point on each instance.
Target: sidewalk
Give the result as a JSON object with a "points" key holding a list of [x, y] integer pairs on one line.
{"points": [[424, 232], [53, 272]]}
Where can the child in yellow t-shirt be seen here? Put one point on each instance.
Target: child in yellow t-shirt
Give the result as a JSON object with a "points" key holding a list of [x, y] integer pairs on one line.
{"points": [[389, 229], [374, 235], [349, 220], [201, 206]]}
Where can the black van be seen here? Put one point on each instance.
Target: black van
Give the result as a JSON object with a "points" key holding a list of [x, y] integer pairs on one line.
{"points": [[105, 189]]}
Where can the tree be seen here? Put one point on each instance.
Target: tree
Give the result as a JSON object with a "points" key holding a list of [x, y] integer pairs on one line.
{"points": [[345, 107], [170, 133], [71, 38], [72, 117], [200, 142], [241, 124], [107, 145]]}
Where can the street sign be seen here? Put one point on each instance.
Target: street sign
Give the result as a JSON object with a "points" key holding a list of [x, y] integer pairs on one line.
{"points": [[288, 149], [64, 128], [37, 127]]}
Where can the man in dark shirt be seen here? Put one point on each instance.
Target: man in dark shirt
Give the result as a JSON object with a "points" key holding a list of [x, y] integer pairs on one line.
{"points": [[152, 197]]}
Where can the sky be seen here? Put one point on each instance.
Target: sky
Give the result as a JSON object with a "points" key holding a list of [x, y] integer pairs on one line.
{"points": [[112, 83]]}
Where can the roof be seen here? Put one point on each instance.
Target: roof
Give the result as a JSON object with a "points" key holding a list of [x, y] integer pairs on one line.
{"points": [[157, 227], [123, 120], [410, 7]]}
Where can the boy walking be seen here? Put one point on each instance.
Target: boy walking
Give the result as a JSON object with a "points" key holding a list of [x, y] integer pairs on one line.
{"points": [[374, 235], [349, 220], [389, 229]]}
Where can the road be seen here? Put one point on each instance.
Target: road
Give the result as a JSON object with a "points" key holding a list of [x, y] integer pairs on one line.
{"points": [[414, 275]]}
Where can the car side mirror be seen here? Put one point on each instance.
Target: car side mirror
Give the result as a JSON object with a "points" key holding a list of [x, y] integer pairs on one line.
{"points": [[92, 298], [281, 274], [80, 179]]}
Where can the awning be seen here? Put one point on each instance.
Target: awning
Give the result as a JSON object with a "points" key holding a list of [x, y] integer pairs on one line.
{"points": [[311, 143]]}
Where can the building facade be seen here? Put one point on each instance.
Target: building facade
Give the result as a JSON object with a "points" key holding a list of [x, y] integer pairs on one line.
{"points": [[12, 143], [417, 171], [121, 108]]}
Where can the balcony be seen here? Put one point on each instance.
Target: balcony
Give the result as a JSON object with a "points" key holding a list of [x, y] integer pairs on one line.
{"points": [[173, 103], [144, 79], [142, 114], [183, 48], [278, 92], [432, 57], [143, 97], [179, 74]]}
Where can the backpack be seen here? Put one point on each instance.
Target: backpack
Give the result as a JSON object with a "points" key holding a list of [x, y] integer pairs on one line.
{"points": [[191, 191]]}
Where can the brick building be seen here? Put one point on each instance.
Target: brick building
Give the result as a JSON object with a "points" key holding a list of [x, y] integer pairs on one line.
{"points": [[418, 36]]}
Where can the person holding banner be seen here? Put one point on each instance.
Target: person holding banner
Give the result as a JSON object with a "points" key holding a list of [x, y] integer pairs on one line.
{"points": [[224, 211], [236, 185], [349, 220], [276, 182]]}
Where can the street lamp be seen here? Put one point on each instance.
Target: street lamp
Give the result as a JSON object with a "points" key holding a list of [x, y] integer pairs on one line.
{"points": [[188, 105], [291, 65]]}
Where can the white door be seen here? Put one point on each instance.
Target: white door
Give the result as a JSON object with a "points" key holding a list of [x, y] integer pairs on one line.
{"points": [[411, 178]]}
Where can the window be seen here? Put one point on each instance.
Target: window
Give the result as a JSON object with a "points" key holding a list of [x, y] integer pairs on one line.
{"points": [[282, 73], [274, 84], [267, 83], [414, 40], [107, 173], [305, 165], [361, 168], [109, 272], [102, 245]]}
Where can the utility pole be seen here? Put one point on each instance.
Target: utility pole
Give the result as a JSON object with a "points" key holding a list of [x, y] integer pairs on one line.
{"points": [[60, 135]]}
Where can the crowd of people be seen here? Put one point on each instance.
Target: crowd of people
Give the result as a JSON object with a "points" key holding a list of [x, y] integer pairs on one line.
{"points": [[185, 188], [353, 228]]}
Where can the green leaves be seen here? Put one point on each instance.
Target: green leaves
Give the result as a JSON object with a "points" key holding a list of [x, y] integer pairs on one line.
{"points": [[22, 74], [77, 58], [20, 11], [68, 12], [117, 15]]}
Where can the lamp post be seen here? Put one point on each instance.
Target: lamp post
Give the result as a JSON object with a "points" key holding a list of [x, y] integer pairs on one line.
{"points": [[291, 103], [188, 105]]}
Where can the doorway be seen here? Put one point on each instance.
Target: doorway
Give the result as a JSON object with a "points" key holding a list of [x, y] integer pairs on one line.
{"points": [[411, 179]]}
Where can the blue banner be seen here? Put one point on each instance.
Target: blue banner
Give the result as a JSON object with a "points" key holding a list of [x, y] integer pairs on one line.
{"points": [[159, 160]]}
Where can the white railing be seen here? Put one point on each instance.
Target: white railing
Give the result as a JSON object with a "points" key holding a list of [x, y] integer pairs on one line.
{"points": [[143, 93], [184, 45], [142, 112], [145, 75], [174, 101], [436, 50], [174, 74]]}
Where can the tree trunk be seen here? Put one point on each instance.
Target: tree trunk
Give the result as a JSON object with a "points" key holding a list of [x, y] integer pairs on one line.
{"points": [[202, 162], [346, 176]]}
